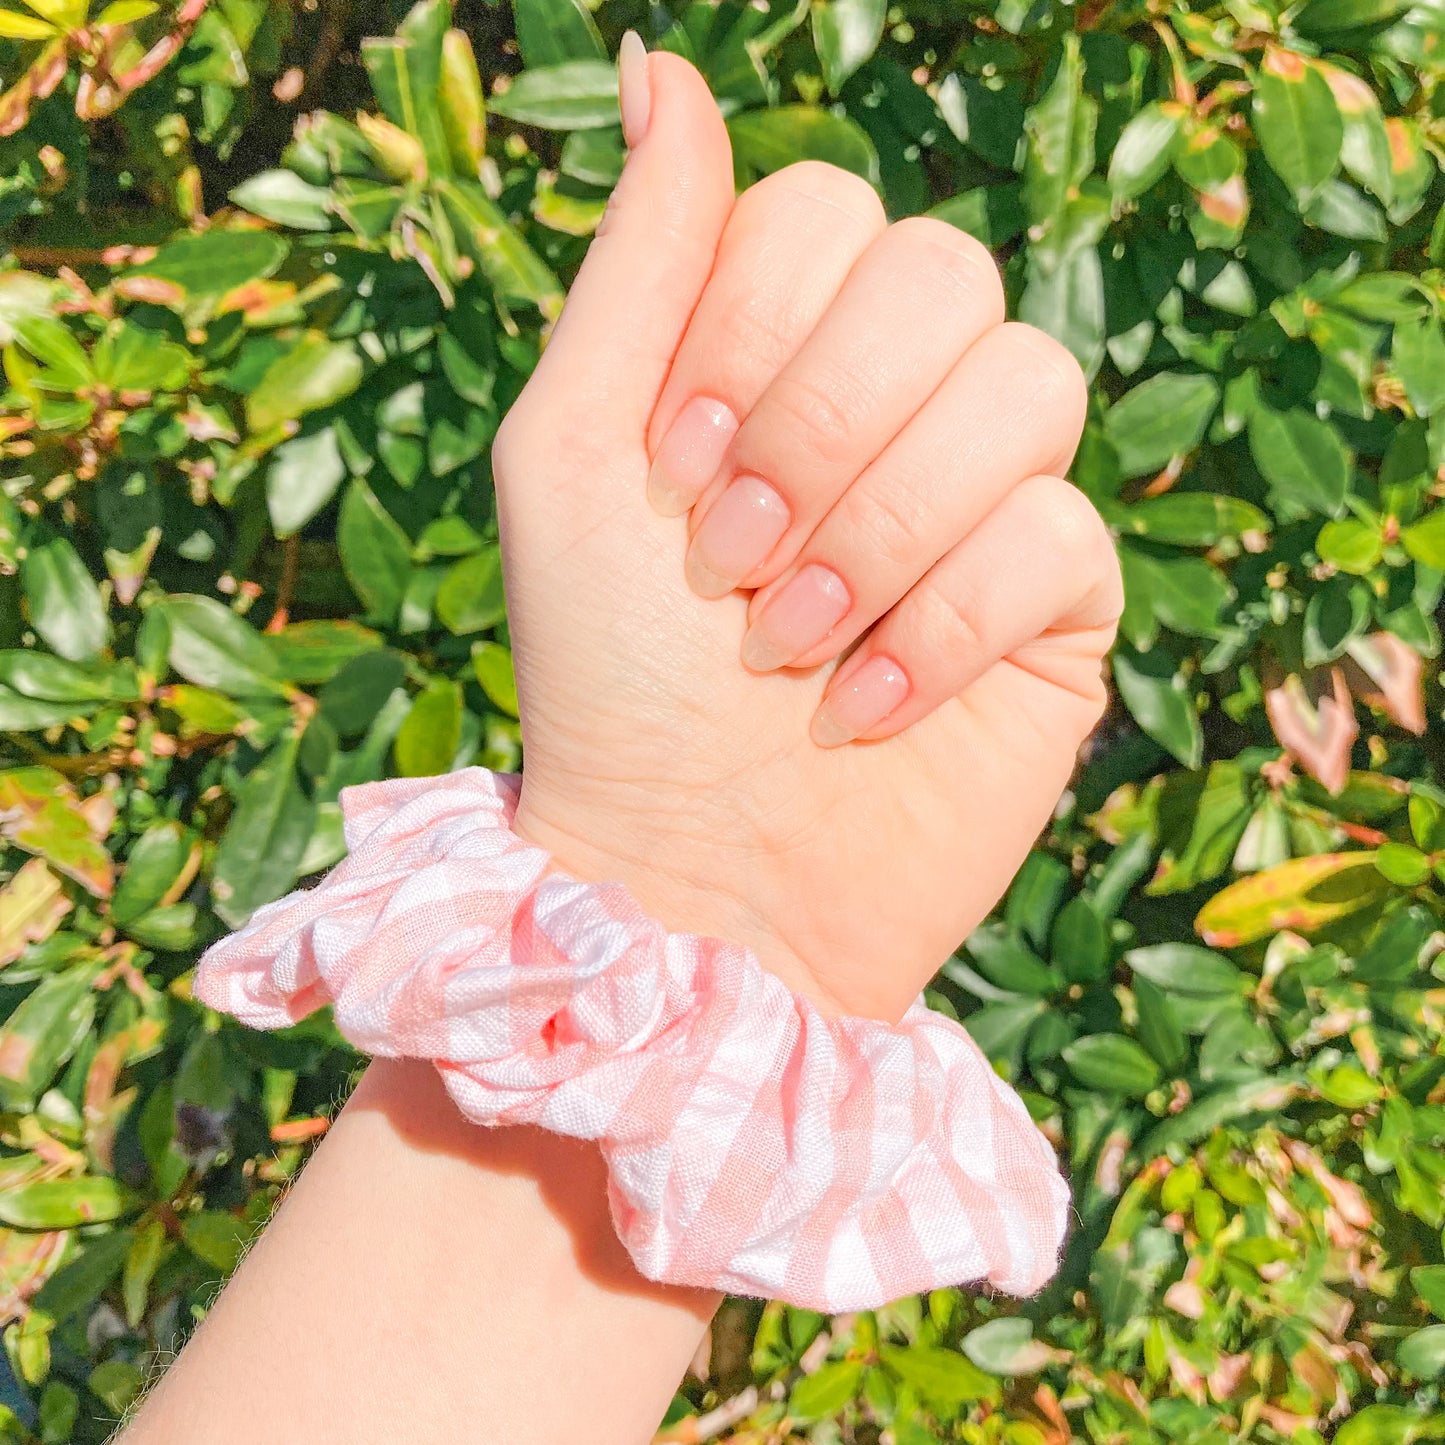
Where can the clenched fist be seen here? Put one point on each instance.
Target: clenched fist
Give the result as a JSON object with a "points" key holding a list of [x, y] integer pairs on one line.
{"points": [[808, 629]]}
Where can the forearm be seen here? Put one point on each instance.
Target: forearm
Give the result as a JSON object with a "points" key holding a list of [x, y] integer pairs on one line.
{"points": [[427, 1279]]}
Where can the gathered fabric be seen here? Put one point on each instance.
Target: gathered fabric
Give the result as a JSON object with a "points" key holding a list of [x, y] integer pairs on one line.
{"points": [[753, 1145]]}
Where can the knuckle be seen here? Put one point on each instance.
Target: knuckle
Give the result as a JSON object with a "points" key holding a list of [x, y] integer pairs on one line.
{"points": [[762, 329], [946, 621], [884, 526], [817, 414], [1069, 525], [816, 184], [962, 260], [1058, 374]]}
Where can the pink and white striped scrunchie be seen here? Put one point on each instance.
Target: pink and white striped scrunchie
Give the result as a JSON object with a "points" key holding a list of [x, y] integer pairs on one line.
{"points": [[753, 1144]]}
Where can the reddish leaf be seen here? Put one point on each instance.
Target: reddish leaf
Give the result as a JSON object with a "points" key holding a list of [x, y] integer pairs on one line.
{"points": [[1389, 675], [1317, 728]]}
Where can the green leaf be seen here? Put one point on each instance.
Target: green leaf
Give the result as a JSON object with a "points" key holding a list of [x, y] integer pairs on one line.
{"points": [[1188, 969], [1188, 519], [301, 479], [216, 261], [1112, 1063], [1006, 1346], [1351, 545], [1425, 540], [1422, 1353], [552, 32], [1079, 945], [144, 1256], [216, 1237], [1060, 130], [767, 140], [405, 72], [1418, 356], [40, 1035], [1007, 962], [573, 95], [63, 601], [283, 197], [315, 651], [463, 107], [1158, 1026], [1429, 1283], [315, 372], [512, 268], [1327, 17], [1337, 613], [1144, 149], [1162, 703], [64, 1203], [260, 851], [992, 214], [39, 675], [15, 26], [470, 597], [1067, 302], [1403, 864], [1162, 418], [66, 366], [165, 855], [845, 34], [375, 552], [1297, 121], [212, 646], [132, 358], [352, 699], [1301, 457], [826, 1390], [943, 1378], [428, 739], [40, 814], [492, 664]]}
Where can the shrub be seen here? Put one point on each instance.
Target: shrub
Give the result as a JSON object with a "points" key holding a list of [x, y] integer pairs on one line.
{"points": [[255, 354]]}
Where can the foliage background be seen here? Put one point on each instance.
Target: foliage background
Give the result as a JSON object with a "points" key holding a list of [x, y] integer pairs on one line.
{"points": [[255, 352]]}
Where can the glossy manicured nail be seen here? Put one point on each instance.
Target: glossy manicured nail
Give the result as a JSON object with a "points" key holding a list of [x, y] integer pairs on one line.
{"points": [[690, 454], [860, 702], [799, 617], [634, 93], [743, 526]]}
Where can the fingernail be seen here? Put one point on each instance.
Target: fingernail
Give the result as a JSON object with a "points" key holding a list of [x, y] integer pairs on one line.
{"points": [[743, 526], [799, 617], [860, 702], [634, 94], [690, 454]]}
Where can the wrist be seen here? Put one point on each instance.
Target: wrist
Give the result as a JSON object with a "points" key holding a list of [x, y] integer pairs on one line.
{"points": [[685, 882]]}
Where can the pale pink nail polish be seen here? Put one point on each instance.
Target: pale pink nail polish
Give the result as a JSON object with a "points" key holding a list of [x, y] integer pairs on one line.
{"points": [[744, 525], [799, 617], [634, 93], [860, 702], [691, 452]]}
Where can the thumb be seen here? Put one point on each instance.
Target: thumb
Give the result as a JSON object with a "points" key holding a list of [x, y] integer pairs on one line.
{"points": [[626, 313]]}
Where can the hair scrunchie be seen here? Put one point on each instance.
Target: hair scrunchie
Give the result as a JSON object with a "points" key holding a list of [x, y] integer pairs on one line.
{"points": [[752, 1144]]}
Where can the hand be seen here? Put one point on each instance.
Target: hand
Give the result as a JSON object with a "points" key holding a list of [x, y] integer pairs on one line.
{"points": [[852, 430]]}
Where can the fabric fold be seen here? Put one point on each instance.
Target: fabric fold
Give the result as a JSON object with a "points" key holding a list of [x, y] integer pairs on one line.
{"points": [[752, 1144]]}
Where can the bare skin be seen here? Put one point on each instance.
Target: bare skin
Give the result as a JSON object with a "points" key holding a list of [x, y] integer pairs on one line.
{"points": [[427, 1280]]}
